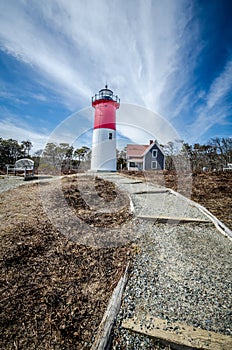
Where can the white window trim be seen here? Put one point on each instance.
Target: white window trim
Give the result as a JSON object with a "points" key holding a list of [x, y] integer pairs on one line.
{"points": [[131, 166], [152, 164], [154, 151]]}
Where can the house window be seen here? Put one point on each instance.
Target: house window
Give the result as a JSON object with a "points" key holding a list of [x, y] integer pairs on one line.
{"points": [[110, 135], [132, 164], [154, 153], [154, 164]]}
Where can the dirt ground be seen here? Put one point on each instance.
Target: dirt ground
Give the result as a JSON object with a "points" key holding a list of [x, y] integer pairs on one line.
{"points": [[54, 291], [213, 190]]}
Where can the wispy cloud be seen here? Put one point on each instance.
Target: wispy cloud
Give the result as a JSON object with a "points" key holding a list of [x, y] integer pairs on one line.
{"points": [[7, 95], [12, 129], [216, 106], [147, 51], [221, 86], [133, 47]]}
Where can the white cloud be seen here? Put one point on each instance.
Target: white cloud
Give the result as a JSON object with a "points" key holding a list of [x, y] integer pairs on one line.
{"points": [[220, 86], [146, 50], [11, 129], [140, 125], [11, 96], [39, 97], [215, 108], [78, 46]]}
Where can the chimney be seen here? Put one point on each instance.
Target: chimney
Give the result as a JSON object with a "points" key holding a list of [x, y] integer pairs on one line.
{"points": [[151, 141]]}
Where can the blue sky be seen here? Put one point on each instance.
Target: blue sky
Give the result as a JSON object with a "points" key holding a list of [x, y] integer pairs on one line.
{"points": [[169, 58]]}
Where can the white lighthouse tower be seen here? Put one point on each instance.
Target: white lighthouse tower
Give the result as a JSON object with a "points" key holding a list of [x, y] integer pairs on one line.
{"points": [[104, 133]]}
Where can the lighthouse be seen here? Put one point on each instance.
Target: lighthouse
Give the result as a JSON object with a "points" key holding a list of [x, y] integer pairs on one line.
{"points": [[104, 133]]}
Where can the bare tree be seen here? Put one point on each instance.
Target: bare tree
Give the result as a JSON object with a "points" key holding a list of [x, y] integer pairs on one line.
{"points": [[223, 147]]}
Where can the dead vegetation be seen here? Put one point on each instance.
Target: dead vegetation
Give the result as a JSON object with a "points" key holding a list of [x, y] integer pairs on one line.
{"points": [[86, 202], [54, 291]]}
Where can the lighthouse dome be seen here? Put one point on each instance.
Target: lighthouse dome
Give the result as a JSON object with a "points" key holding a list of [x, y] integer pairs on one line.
{"points": [[106, 93]]}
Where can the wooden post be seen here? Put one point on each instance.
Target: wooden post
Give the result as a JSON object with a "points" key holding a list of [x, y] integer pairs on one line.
{"points": [[102, 338]]}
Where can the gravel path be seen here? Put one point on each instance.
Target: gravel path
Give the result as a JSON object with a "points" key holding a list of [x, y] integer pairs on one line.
{"points": [[10, 182], [181, 272]]}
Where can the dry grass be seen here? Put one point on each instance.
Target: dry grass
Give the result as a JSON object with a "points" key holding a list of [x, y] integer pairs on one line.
{"points": [[53, 291]]}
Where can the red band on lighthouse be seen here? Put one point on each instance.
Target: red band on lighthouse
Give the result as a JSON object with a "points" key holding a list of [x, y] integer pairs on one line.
{"points": [[105, 115]]}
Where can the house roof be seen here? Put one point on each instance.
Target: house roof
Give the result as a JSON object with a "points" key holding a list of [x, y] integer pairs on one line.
{"points": [[140, 150], [151, 145], [135, 150]]}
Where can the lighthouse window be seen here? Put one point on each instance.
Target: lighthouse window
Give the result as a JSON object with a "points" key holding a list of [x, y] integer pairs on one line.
{"points": [[110, 135]]}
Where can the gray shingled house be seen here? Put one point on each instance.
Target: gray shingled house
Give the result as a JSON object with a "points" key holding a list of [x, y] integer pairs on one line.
{"points": [[145, 157]]}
